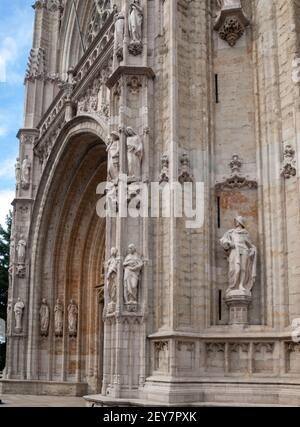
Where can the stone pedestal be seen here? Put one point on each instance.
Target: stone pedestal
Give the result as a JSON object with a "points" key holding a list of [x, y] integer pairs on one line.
{"points": [[231, 22], [238, 303]]}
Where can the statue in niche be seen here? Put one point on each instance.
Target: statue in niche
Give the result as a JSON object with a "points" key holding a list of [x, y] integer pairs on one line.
{"points": [[58, 318], [113, 150], [135, 23], [242, 257], [9, 315], [21, 250], [119, 35], [18, 309], [112, 270], [134, 155], [93, 94], [72, 318], [133, 265], [12, 250], [44, 318], [18, 171], [26, 166]]}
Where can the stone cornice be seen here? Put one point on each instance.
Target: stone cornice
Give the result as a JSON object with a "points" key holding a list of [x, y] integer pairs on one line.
{"points": [[129, 71], [22, 200]]}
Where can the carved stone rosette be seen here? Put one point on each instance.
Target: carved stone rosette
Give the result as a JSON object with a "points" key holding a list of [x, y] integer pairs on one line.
{"points": [[231, 23]]}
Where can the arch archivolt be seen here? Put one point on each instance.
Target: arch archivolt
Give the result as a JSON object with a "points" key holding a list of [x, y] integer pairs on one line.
{"points": [[68, 250]]}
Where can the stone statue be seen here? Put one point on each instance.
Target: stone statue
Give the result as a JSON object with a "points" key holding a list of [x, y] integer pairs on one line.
{"points": [[242, 257], [135, 24], [26, 166], [113, 157], [18, 171], [21, 250], [12, 250], [44, 318], [72, 318], [9, 315], [133, 265], [112, 270], [119, 35], [18, 309], [134, 155], [58, 318]]}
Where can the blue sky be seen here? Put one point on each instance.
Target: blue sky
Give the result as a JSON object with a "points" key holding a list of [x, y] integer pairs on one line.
{"points": [[16, 28]]}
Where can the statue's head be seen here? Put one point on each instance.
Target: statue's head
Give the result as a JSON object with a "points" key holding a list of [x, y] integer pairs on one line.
{"points": [[131, 249], [44, 301], [239, 221], [114, 136], [130, 132], [114, 252]]}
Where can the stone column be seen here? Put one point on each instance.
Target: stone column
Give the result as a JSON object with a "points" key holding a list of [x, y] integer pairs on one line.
{"points": [[19, 268], [131, 90]]}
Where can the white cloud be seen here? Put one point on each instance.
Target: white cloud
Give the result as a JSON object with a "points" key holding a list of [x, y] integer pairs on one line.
{"points": [[15, 36], [7, 168], [6, 197]]}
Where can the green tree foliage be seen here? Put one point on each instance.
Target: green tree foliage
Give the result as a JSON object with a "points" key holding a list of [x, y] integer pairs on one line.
{"points": [[4, 266]]}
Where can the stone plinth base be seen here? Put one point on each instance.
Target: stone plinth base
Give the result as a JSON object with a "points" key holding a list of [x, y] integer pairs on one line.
{"points": [[238, 303], [209, 393], [43, 388]]}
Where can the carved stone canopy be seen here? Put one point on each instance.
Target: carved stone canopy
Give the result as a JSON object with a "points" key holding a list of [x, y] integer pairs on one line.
{"points": [[236, 179], [231, 23]]}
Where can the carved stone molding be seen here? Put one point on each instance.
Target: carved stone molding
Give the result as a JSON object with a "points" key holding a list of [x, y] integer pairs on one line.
{"points": [[164, 174], [51, 5], [231, 22], [37, 69], [185, 174], [236, 180], [215, 348], [101, 12], [134, 84], [161, 356], [289, 167], [264, 347]]}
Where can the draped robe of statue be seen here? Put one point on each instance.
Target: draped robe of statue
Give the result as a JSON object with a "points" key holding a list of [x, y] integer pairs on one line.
{"points": [[26, 165], [119, 31], [72, 318], [21, 251], [18, 171], [44, 318], [112, 270], [135, 22], [113, 157], [9, 315], [242, 258], [18, 309], [58, 318], [134, 155], [133, 265]]}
